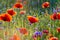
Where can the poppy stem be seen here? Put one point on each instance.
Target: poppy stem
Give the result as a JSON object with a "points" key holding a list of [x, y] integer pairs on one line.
{"points": [[50, 27], [54, 28], [46, 12], [59, 37], [8, 4], [59, 22], [6, 34], [22, 20]]}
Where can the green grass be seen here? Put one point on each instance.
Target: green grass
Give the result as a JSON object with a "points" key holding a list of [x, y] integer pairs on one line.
{"points": [[20, 21]]}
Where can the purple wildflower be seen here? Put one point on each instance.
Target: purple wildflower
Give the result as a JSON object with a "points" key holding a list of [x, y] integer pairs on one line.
{"points": [[38, 34], [54, 10]]}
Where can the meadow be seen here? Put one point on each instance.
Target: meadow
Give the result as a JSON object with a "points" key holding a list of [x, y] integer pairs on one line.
{"points": [[29, 20]]}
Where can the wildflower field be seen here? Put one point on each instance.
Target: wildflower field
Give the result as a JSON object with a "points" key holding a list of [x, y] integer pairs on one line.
{"points": [[29, 19]]}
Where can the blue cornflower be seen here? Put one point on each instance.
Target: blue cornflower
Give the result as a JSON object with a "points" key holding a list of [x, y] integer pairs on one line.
{"points": [[38, 33]]}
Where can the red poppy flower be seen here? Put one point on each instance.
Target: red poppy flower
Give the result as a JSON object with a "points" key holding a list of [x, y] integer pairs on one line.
{"points": [[58, 29], [6, 17], [34, 37], [45, 31], [11, 12], [15, 37], [58, 16], [45, 5], [54, 16], [53, 38], [32, 19], [18, 5], [0, 17], [22, 12], [23, 31]]}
